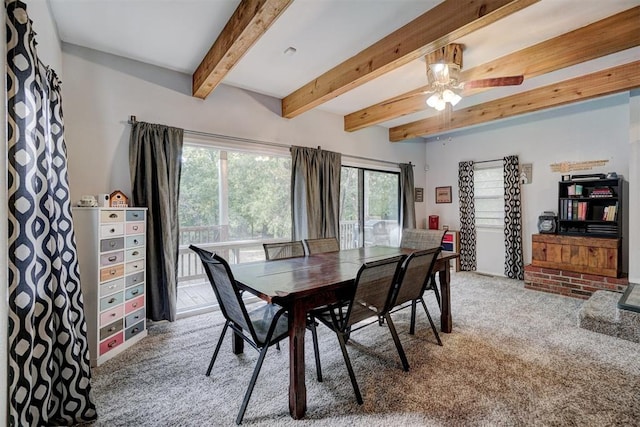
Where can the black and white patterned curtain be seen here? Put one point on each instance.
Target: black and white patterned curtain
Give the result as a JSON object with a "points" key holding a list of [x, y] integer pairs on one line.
{"points": [[467, 217], [49, 371], [513, 262]]}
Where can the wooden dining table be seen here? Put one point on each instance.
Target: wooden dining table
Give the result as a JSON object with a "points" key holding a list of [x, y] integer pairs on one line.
{"points": [[304, 283]]}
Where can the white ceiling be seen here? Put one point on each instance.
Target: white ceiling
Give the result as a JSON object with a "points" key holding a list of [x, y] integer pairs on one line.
{"points": [[176, 34]]}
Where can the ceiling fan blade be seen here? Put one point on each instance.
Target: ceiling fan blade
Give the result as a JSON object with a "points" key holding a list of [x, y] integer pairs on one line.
{"points": [[494, 81], [409, 95]]}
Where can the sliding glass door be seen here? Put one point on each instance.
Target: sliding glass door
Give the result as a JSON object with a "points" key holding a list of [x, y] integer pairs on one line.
{"points": [[369, 207], [230, 203]]}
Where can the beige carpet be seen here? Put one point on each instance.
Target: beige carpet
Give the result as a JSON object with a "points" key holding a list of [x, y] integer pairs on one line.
{"points": [[516, 357]]}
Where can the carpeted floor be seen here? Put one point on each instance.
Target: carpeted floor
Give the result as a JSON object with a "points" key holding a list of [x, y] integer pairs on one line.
{"points": [[516, 357]]}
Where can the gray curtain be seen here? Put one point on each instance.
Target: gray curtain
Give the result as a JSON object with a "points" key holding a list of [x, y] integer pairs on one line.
{"points": [[155, 153], [467, 217], [513, 262], [407, 188], [315, 193], [48, 362]]}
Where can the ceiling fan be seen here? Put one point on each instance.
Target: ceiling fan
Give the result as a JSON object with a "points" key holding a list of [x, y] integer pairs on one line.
{"points": [[443, 74]]}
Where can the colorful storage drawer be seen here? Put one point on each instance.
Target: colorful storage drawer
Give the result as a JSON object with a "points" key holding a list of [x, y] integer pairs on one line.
{"points": [[111, 343]]}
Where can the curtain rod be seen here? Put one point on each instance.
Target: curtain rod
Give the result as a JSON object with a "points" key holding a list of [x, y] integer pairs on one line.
{"points": [[489, 161], [133, 119]]}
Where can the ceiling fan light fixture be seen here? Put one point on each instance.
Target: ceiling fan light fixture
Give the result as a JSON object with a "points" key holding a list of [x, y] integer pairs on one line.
{"points": [[451, 97], [433, 100]]}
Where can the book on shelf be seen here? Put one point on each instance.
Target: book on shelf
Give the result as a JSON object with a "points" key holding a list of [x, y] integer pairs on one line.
{"points": [[602, 192], [574, 210], [610, 212], [602, 229]]}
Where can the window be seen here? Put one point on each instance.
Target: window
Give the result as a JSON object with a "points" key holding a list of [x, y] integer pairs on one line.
{"points": [[369, 207], [488, 187], [228, 196]]}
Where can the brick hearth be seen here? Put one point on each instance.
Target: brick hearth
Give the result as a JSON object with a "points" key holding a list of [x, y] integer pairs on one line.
{"points": [[578, 285]]}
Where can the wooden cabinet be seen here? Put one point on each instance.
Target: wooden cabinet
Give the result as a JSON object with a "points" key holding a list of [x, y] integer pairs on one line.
{"points": [[112, 255], [590, 207], [598, 256]]}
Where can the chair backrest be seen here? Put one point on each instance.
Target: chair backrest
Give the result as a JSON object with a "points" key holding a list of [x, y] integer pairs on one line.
{"points": [[283, 250], [416, 238], [414, 275], [318, 246], [225, 288], [374, 287]]}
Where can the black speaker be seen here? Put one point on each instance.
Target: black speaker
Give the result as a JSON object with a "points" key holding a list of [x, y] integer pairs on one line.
{"points": [[547, 223]]}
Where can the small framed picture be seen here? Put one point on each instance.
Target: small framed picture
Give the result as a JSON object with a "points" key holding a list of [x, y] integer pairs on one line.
{"points": [[418, 195], [443, 194]]}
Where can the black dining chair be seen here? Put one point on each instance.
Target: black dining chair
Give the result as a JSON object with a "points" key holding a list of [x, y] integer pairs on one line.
{"points": [[372, 296], [318, 246], [260, 328], [421, 239], [414, 278], [283, 250]]}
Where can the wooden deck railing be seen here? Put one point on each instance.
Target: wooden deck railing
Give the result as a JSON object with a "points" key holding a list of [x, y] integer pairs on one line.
{"points": [[190, 267]]}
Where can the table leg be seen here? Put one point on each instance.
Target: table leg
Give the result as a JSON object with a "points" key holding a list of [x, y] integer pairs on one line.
{"points": [[445, 296], [297, 387], [237, 343]]}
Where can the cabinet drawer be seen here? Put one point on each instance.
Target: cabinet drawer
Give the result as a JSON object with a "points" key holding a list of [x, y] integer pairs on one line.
{"points": [[113, 286], [111, 343], [114, 215], [134, 266], [111, 244], [134, 330], [135, 241], [134, 279], [135, 215], [111, 272], [108, 302], [108, 230], [110, 329], [134, 317], [111, 315], [133, 292], [135, 227], [111, 258], [134, 304], [134, 254]]}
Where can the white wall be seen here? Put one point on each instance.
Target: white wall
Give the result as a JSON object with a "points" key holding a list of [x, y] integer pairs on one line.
{"points": [[49, 50], [592, 130], [105, 90]]}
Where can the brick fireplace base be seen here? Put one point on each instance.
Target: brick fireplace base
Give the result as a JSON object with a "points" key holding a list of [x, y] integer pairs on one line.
{"points": [[568, 283]]}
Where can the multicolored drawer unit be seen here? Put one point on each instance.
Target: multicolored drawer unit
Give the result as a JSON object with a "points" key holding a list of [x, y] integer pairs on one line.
{"points": [[112, 254]]}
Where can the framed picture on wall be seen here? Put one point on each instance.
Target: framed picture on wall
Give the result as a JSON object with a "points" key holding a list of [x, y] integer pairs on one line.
{"points": [[443, 194], [418, 195]]}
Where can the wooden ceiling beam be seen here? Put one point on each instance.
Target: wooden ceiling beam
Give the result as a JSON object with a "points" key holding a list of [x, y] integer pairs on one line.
{"points": [[250, 20], [434, 29], [607, 36], [617, 79]]}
